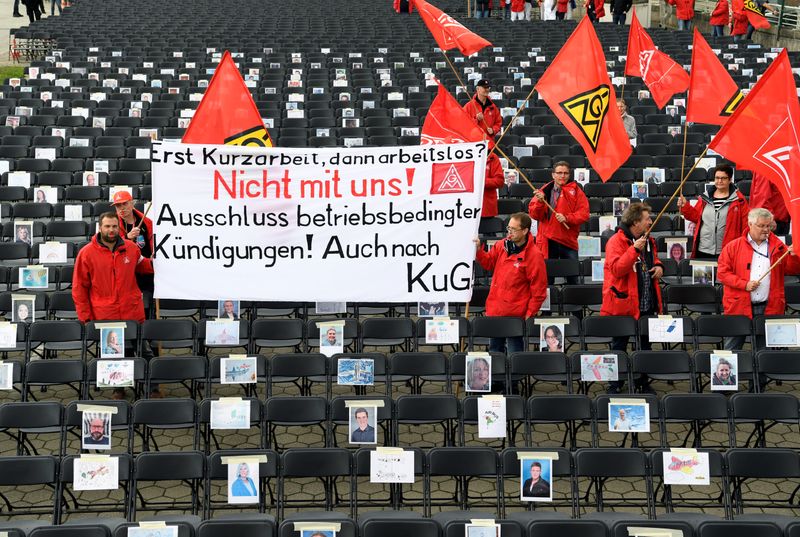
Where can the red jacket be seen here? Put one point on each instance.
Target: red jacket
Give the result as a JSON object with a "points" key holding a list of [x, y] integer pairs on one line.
{"points": [[735, 223], [517, 6], [138, 218], [599, 9], [104, 282], [739, 24], [763, 194], [519, 281], [561, 6], [620, 281], [572, 203], [684, 9], [719, 17], [491, 115], [733, 271], [396, 6], [495, 179]]}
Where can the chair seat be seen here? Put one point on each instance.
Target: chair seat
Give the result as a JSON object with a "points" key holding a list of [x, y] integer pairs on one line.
{"points": [[694, 519], [192, 520], [111, 523], [526, 517], [392, 514], [445, 517], [317, 515]]}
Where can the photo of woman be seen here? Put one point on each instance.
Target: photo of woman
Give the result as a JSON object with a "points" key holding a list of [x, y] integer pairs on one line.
{"points": [[552, 339], [478, 375]]}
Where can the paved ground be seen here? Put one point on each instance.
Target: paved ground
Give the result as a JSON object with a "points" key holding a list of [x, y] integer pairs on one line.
{"points": [[8, 22]]}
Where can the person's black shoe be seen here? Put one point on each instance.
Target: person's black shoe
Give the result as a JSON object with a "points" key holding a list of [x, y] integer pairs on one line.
{"points": [[18, 14]]}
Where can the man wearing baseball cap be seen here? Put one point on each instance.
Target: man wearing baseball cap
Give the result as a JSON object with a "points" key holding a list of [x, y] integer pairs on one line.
{"points": [[136, 227], [483, 110]]}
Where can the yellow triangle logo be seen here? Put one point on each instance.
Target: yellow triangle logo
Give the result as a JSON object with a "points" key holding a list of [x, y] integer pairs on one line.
{"points": [[730, 106], [255, 137], [588, 110]]}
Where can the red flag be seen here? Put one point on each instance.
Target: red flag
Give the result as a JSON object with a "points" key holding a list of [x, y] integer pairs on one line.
{"points": [[227, 113], [762, 135], [577, 89], [713, 95], [752, 11], [448, 32], [447, 123], [664, 77]]}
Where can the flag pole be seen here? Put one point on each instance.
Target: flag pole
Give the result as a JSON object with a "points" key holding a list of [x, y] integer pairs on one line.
{"points": [[510, 123], [680, 186], [529, 183], [147, 210], [775, 264], [683, 157], [461, 83]]}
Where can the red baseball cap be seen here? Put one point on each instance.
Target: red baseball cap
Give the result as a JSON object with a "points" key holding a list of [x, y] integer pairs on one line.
{"points": [[121, 197]]}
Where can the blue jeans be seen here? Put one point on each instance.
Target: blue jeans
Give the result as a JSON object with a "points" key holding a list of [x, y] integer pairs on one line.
{"points": [[684, 25], [53, 4], [506, 345], [619, 18], [481, 14], [507, 11], [718, 31], [750, 30]]}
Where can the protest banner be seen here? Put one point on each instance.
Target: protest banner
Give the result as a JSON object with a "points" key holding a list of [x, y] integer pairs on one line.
{"points": [[388, 224]]}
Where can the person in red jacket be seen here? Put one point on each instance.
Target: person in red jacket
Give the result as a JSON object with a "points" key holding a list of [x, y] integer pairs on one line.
{"points": [[631, 275], [495, 179], [104, 279], [136, 227], [595, 9], [745, 261], [483, 110], [555, 239], [720, 215], [519, 280], [766, 195], [684, 11], [719, 18], [739, 26], [561, 9], [517, 10]]}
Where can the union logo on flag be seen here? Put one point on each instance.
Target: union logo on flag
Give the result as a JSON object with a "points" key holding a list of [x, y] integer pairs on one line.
{"points": [[452, 177]]}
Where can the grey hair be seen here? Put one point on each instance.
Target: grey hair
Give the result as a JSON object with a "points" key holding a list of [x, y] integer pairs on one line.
{"points": [[756, 214]]}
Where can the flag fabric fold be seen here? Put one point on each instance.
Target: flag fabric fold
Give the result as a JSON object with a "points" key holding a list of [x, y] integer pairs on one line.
{"points": [[577, 89], [447, 123], [227, 113], [448, 32], [662, 75], [752, 12], [713, 95], [762, 135]]}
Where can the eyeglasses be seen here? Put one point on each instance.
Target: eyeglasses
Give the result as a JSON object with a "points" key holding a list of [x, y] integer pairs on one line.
{"points": [[513, 229]]}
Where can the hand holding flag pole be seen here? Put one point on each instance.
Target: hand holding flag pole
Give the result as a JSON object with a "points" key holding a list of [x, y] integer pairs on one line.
{"points": [[775, 264], [680, 187]]}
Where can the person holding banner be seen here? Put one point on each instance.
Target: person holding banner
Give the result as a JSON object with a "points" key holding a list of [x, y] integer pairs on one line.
{"points": [[519, 283], [632, 272], [720, 215], [558, 230], [137, 228], [483, 110], [752, 270], [104, 284], [495, 179]]}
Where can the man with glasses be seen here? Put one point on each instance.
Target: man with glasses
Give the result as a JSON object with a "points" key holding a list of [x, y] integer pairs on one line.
{"points": [[557, 237], [749, 287], [519, 280]]}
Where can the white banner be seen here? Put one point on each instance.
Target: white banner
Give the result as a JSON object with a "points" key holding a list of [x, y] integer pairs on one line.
{"points": [[383, 224]]}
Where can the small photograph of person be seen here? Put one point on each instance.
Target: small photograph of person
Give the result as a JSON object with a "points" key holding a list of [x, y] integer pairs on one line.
{"points": [[619, 205], [331, 338], [41, 197], [242, 485], [703, 274], [89, 179], [22, 310], [478, 374], [362, 425], [24, 233], [552, 338], [112, 343], [317, 533], [629, 417], [432, 309], [535, 476], [723, 372], [96, 430], [677, 251], [639, 191], [228, 310]]}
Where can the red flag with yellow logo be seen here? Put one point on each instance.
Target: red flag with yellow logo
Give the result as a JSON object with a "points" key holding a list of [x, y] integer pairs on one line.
{"points": [[227, 113], [577, 89], [713, 95]]}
